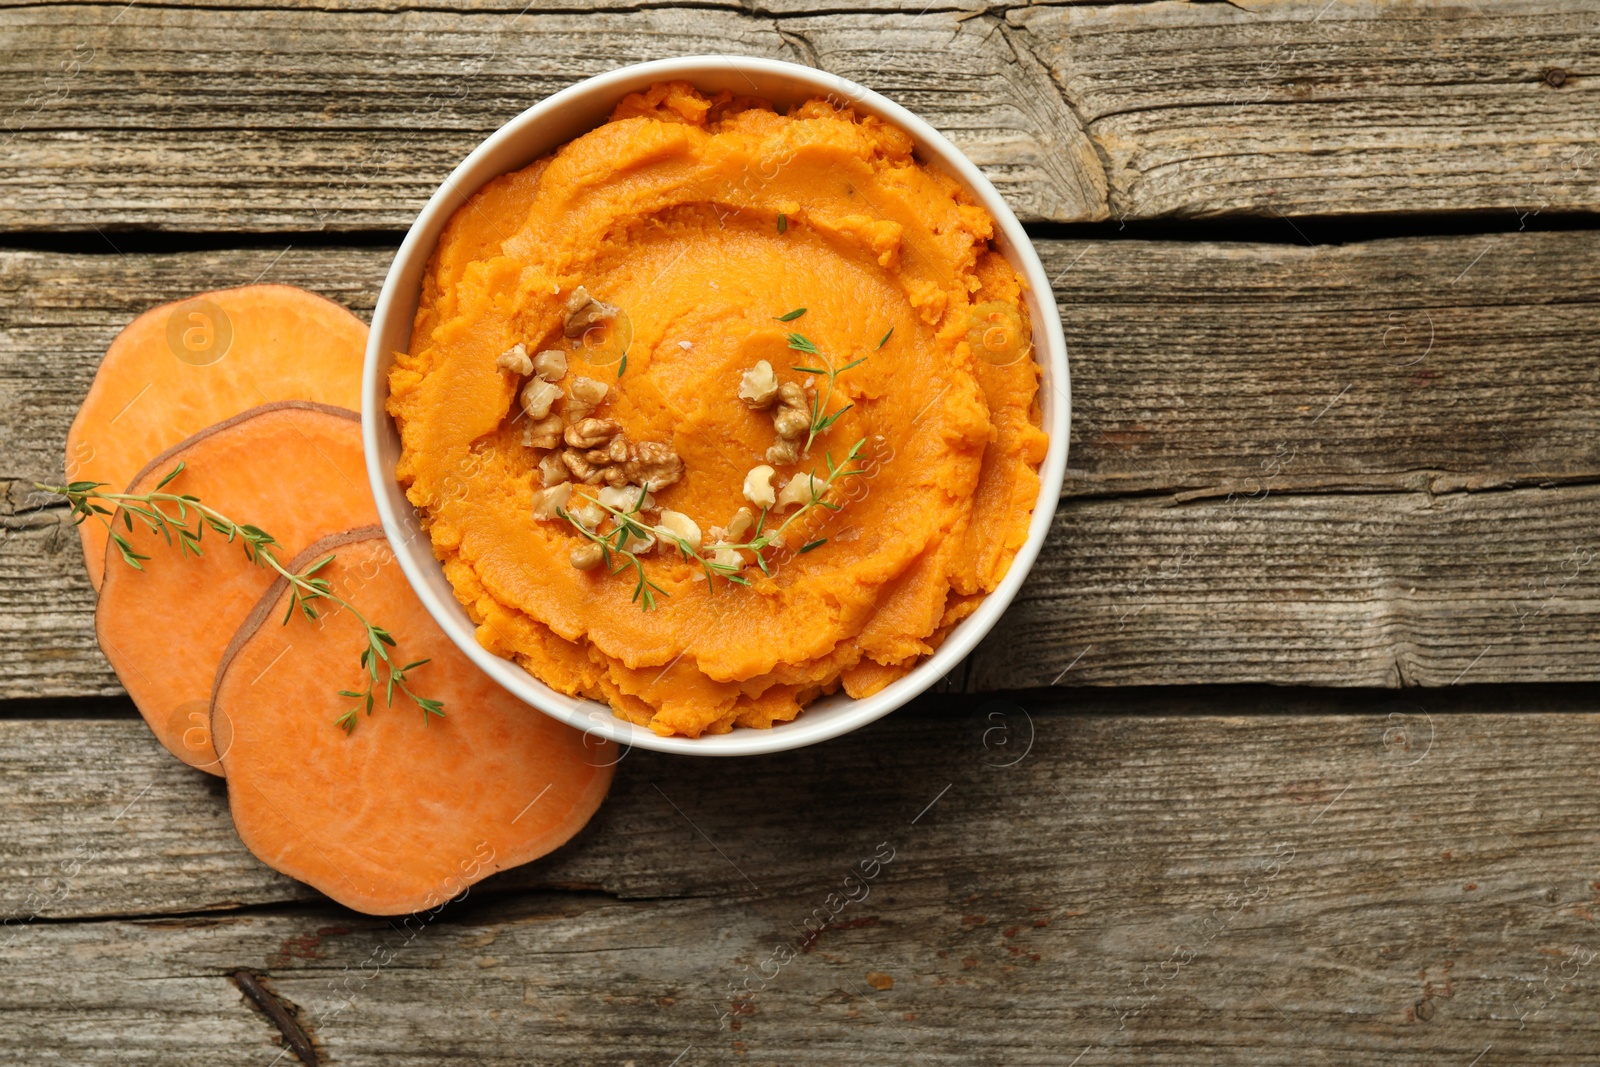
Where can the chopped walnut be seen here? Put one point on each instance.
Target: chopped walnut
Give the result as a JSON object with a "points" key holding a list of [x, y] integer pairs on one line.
{"points": [[583, 311], [740, 524], [592, 433], [793, 417], [537, 396], [626, 497], [639, 546], [587, 556], [802, 489], [546, 501], [515, 359], [758, 387], [546, 433], [784, 450], [727, 559], [551, 364], [652, 465], [552, 470], [680, 529], [581, 469], [758, 487], [587, 394], [589, 514]]}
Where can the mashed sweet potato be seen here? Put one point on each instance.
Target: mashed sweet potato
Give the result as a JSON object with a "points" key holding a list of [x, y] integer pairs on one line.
{"points": [[696, 223]]}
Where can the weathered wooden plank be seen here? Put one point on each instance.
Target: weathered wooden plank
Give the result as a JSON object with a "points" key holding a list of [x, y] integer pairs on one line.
{"points": [[1369, 880], [1431, 364], [1427, 365], [172, 118], [1371, 590], [1418, 363], [1316, 107]]}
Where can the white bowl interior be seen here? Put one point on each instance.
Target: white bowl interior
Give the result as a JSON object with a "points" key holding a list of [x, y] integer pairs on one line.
{"points": [[540, 130]]}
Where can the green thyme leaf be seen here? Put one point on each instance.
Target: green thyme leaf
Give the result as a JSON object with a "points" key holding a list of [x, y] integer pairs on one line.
{"points": [[170, 475]]}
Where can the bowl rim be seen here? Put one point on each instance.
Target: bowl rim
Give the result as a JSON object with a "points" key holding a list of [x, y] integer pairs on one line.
{"points": [[835, 715]]}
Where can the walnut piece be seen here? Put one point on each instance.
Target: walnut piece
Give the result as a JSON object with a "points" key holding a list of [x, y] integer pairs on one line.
{"points": [[727, 560], [793, 417], [652, 465], [758, 387], [583, 311], [758, 487], [552, 470], [551, 364], [546, 501], [680, 529], [740, 524], [784, 450], [624, 498], [587, 556], [592, 433], [537, 396], [545, 433], [589, 514], [581, 469], [801, 490], [515, 359], [587, 394]]}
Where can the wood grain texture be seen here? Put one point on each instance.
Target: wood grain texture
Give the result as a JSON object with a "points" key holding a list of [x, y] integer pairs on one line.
{"points": [[1310, 107], [1434, 363], [1249, 876], [1347, 397], [1334, 589], [175, 118]]}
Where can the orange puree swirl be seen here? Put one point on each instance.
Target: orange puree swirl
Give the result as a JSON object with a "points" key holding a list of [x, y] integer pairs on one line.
{"points": [[670, 211]]}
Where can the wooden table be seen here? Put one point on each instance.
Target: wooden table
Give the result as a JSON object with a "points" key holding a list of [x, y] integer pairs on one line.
{"points": [[1283, 755]]}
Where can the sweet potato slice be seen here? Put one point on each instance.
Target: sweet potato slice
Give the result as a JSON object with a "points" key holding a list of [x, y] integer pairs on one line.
{"points": [[293, 468], [181, 367], [406, 811]]}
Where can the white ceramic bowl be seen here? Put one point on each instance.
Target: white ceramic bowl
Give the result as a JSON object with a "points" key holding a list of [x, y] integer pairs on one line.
{"points": [[535, 133]]}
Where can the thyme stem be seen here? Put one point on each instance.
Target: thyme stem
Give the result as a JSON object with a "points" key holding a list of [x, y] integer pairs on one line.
{"points": [[820, 420], [630, 528], [305, 587]]}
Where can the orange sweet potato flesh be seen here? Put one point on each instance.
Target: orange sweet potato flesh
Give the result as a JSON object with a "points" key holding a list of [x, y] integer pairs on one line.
{"points": [[404, 813], [181, 367], [295, 469]]}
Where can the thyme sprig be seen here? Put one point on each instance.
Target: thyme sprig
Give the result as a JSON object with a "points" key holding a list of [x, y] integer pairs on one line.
{"points": [[819, 489], [189, 524], [629, 527], [821, 420], [614, 543], [627, 521]]}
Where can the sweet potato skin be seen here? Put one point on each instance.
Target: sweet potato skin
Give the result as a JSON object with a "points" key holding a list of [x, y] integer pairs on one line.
{"points": [[404, 813], [181, 367], [293, 468]]}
